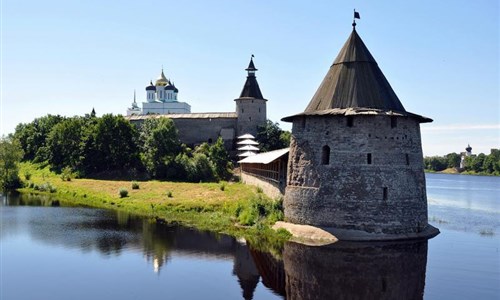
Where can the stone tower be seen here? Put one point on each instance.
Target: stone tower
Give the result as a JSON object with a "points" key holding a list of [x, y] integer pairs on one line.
{"points": [[356, 165], [251, 105]]}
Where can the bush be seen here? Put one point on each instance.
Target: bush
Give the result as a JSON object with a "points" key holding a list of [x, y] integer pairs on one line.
{"points": [[27, 175], [135, 185], [169, 194], [66, 174], [222, 186], [123, 193], [258, 208], [45, 187]]}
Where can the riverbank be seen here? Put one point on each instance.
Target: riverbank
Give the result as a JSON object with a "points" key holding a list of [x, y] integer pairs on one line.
{"points": [[454, 171], [226, 207]]}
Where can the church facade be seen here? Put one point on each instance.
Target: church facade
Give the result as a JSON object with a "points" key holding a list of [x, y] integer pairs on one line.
{"points": [[161, 98], [196, 128]]}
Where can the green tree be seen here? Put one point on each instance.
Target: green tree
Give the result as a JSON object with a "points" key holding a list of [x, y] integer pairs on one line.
{"points": [[435, 163], [453, 160], [110, 144], [160, 145], [33, 136], [271, 137], [477, 163], [219, 157], [11, 154], [491, 164], [65, 144]]}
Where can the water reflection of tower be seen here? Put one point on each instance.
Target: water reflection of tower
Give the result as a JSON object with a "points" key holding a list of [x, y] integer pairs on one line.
{"points": [[356, 271], [349, 271], [244, 268]]}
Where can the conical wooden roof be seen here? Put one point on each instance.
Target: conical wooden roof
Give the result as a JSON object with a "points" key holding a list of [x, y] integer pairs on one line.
{"points": [[251, 88], [355, 82]]}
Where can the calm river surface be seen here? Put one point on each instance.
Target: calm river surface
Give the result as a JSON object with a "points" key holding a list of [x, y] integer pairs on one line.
{"points": [[80, 253]]}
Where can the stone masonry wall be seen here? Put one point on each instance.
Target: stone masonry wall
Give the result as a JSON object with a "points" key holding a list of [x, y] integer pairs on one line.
{"points": [[271, 189], [197, 131], [372, 179], [251, 113]]}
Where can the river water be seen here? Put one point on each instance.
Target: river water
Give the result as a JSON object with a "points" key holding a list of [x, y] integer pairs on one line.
{"points": [[51, 252]]}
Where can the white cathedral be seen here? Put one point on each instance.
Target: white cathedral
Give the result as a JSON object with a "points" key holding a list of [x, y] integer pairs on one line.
{"points": [[161, 99]]}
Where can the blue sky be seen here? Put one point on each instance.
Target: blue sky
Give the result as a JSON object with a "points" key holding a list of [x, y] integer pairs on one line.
{"points": [[66, 57]]}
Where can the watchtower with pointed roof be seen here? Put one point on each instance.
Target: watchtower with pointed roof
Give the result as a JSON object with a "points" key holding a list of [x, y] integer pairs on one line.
{"points": [[251, 105], [356, 164]]}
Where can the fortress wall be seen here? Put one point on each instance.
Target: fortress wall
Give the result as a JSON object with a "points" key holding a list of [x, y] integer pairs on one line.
{"points": [[381, 194], [271, 189], [197, 131]]}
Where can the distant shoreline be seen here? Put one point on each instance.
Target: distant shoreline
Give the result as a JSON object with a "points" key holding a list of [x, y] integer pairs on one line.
{"points": [[453, 171]]}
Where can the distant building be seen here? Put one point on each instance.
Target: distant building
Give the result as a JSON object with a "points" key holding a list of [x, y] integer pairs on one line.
{"points": [[463, 155], [161, 98], [197, 128], [355, 164]]}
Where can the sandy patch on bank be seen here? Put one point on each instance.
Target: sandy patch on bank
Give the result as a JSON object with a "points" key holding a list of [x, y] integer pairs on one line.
{"points": [[306, 234]]}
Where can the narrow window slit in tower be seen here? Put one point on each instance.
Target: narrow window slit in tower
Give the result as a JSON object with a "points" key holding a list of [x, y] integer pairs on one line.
{"points": [[385, 193], [407, 159], [394, 122], [350, 121], [325, 155], [369, 158]]}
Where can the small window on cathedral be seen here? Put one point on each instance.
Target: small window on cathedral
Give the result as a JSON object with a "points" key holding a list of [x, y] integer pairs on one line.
{"points": [[303, 122], [394, 122], [350, 121], [210, 141], [259, 109], [407, 159], [249, 118], [325, 155], [384, 193], [369, 158], [242, 110]]}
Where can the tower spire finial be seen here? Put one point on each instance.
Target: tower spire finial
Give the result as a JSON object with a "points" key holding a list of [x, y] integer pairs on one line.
{"points": [[356, 16], [134, 96]]}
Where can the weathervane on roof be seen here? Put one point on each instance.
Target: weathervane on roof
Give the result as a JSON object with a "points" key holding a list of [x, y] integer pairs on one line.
{"points": [[356, 16]]}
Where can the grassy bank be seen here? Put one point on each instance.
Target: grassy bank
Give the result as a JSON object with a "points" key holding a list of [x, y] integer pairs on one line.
{"points": [[231, 208]]}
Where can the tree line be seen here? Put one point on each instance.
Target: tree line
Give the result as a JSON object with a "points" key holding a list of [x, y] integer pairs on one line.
{"points": [[478, 164], [111, 147]]}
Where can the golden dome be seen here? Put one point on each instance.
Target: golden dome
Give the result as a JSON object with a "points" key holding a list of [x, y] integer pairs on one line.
{"points": [[162, 80]]}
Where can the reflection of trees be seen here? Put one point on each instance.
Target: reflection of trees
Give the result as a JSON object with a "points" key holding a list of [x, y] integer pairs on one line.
{"points": [[347, 271], [342, 270]]}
